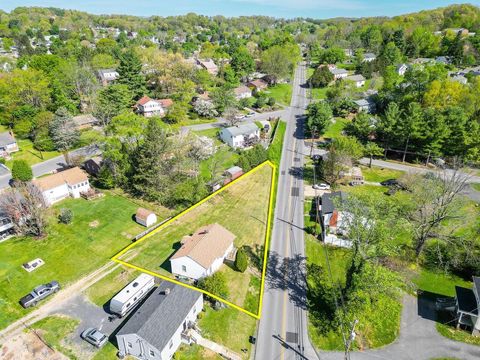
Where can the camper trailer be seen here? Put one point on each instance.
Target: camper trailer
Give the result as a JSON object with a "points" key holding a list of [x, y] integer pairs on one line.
{"points": [[131, 294]]}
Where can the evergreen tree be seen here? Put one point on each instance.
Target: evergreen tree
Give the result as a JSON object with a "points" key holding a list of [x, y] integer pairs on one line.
{"points": [[63, 132], [321, 77], [21, 171], [129, 72]]}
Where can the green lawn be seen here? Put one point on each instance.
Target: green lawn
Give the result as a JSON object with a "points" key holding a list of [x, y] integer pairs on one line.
{"points": [[282, 93], [476, 186], [247, 200], [29, 154], [378, 174], [457, 335], [275, 148], [100, 228], [54, 331], [223, 159], [335, 128], [195, 352], [438, 282]]}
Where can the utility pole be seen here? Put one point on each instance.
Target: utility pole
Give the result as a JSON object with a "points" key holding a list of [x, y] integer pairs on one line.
{"points": [[350, 340]]}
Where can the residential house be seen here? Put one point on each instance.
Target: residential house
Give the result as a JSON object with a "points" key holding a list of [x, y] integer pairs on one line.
{"points": [[203, 252], [145, 217], [468, 306], [56, 187], [348, 52], [331, 216], [402, 69], [460, 79], [242, 92], [8, 144], [161, 324], [358, 80], [258, 84], [209, 65], [6, 226], [232, 173], [85, 121], [106, 76], [369, 57], [152, 107], [365, 105], [443, 60], [92, 166], [240, 136], [422, 61], [338, 73]]}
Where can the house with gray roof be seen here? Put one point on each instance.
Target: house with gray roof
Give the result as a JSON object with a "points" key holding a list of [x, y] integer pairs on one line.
{"points": [[365, 105], [8, 144], [158, 327], [369, 57], [358, 80], [106, 76], [338, 73], [468, 305], [241, 136]]}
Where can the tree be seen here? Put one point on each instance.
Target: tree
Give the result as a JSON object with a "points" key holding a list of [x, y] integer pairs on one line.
{"points": [[25, 206], [65, 216], [361, 127], [112, 101], [215, 284], [390, 55], [63, 132], [388, 123], [21, 171], [279, 61], [342, 152], [241, 260], [231, 116], [130, 74], [319, 115], [242, 62], [321, 77], [223, 98], [332, 55], [436, 199], [204, 108], [371, 149]]}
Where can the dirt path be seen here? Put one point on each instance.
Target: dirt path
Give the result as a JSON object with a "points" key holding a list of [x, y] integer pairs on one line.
{"points": [[60, 299], [27, 346]]}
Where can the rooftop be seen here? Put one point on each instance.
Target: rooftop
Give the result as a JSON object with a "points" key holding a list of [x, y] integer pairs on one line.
{"points": [[159, 317], [355, 78], [244, 129], [6, 138], [71, 177], [206, 245], [328, 205], [466, 300]]}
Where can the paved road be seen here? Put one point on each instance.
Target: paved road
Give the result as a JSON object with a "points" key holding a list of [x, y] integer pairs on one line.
{"points": [[222, 122], [56, 163], [282, 332]]}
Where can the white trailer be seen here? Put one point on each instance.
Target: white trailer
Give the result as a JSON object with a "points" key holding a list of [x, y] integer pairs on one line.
{"points": [[131, 294]]}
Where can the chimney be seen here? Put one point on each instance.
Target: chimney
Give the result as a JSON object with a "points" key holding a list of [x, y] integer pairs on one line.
{"points": [[167, 291]]}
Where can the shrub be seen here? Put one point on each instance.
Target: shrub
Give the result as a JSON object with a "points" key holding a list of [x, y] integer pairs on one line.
{"points": [[21, 171], [2, 160], [215, 284], [241, 260], [66, 216], [271, 101]]}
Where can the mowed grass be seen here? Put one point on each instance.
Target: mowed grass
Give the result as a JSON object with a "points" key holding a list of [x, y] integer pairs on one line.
{"points": [[29, 154], [241, 208], [379, 174], [335, 129], [100, 229], [282, 93]]}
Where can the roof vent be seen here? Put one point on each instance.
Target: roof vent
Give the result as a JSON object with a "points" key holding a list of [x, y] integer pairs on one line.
{"points": [[167, 291]]}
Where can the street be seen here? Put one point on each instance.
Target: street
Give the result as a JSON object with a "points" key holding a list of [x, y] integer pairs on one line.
{"points": [[282, 332]]}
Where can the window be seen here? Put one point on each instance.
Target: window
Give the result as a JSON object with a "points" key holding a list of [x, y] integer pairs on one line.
{"points": [[129, 345], [152, 353], [171, 344], [184, 268]]}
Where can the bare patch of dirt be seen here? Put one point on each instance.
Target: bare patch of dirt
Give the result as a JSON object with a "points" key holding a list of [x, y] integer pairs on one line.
{"points": [[94, 224], [27, 346]]}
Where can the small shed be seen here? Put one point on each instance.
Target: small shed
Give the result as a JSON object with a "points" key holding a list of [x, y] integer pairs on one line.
{"points": [[145, 217], [233, 173]]}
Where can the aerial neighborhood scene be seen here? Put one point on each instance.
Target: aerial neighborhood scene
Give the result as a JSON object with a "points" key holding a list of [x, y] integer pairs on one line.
{"points": [[239, 179]]}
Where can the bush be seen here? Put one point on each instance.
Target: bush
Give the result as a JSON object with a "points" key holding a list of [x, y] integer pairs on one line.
{"points": [[21, 171], [241, 260], [215, 284], [271, 101], [66, 216], [2, 161]]}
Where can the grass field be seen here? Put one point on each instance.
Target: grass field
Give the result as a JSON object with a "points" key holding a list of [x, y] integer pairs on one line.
{"points": [[241, 208], [457, 335], [335, 128], [100, 228], [378, 174], [29, 154], [476, 186], [282, 93]]}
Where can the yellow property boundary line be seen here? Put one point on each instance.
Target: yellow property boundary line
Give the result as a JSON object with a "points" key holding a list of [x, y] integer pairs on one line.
{"points": [[266, 242]]}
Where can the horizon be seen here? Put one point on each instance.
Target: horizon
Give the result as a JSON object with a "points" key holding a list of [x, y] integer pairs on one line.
{"points": [[287, 9]]}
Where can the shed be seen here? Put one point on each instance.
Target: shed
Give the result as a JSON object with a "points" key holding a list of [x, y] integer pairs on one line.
{"points": [[145, 217]]}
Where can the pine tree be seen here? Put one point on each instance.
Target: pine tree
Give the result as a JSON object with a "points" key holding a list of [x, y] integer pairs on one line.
{"points": [[64, 132], [130, 74]]}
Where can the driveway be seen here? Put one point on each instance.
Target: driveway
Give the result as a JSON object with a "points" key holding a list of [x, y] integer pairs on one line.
{"points": [[418, 339]]}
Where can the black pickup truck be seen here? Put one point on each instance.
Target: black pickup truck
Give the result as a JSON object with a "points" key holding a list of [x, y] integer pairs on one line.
{"points": [[39, 293]]}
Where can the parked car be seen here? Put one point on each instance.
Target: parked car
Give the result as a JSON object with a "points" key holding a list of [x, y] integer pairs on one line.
{"points": [[321, 186], [39, 293], [390, 182], [94, 337], [250, 114]]}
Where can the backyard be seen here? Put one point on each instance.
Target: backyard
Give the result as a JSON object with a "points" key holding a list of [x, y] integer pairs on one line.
{"points": [[282, 93], [242, 209], [100, 228]]}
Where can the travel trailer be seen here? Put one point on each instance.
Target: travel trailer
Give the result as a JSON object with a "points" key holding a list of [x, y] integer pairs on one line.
{"points": [[131, 295]]}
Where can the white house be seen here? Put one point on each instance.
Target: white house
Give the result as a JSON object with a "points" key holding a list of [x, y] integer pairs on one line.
{"points": [[209, 65], [240, 136], [106, 76], [402, 69], [56, 187], [145, 217], [338, 73], [202, 253], [365, 105], [8, 144], [161, 324], [358, 80], [369, 57], [150, 107], [242, 92]]}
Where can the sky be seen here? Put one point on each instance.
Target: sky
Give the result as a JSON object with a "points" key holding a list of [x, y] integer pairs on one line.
{"points": [[320, 9]]}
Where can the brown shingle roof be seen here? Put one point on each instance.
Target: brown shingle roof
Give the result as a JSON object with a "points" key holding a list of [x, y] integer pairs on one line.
{"points": [[143, 100], [143, 213], [165, 102], [206, 245], [71, 176]]}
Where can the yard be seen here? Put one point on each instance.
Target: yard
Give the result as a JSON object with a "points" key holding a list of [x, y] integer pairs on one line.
{"points": [[242, 209], [100, 228], [335, 128], [29, 154], [378, 174], [282, 93]]}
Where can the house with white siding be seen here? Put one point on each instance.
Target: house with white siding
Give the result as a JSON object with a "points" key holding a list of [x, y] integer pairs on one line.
{"points": [[8, 144], [151, 107], [240, 136], [202, 253], [68, 183], [161, 324]]}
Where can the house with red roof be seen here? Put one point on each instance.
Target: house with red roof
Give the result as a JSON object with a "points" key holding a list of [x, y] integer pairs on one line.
{"points": [[152, 107]]}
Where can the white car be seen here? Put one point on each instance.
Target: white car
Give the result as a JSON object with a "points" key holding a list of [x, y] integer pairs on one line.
{"points": [[321, 186]]}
